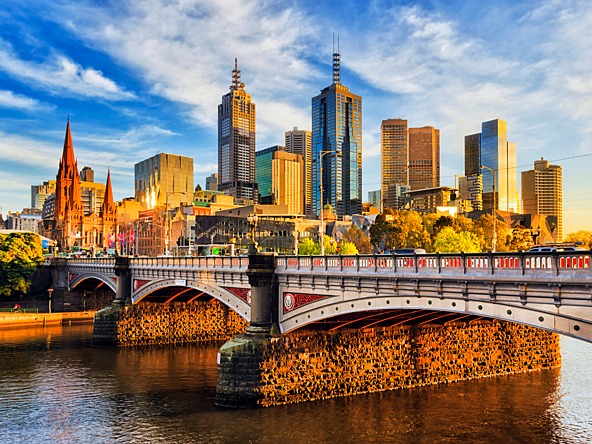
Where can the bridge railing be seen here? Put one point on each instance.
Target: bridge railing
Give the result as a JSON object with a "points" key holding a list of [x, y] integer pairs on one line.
{"points": [[190, 262], [453, 264]]}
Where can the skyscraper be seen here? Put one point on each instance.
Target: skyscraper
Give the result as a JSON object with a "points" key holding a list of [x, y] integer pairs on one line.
{"points": [[236, 142], [394, 145], [542, 193], [491, 149], [300, 142], [424, 157], [337, 147]]}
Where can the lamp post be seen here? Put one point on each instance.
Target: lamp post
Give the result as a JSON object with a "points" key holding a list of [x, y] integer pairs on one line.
{"points": [[322, 226], [167, 237], [494, 236], [252, 218]]}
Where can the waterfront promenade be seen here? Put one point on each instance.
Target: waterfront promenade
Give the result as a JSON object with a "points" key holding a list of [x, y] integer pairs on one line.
{"points": [[18, 319]]}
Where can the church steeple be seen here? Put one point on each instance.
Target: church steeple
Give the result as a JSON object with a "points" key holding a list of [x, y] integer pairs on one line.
{"points": [[108, 202], [68, 201]]}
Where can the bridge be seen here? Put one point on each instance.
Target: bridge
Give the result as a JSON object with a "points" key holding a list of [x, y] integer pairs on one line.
{"points": [[551, 291]]}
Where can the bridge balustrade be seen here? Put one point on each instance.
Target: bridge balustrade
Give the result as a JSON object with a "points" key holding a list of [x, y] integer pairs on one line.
{"points": [[440, 263]]}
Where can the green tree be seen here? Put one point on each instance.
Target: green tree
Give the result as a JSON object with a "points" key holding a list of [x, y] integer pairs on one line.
{"points": [[347, 248], [449, 241], [358, 238], [585, 237], [329, 244], [20, 255], [308, 247]]}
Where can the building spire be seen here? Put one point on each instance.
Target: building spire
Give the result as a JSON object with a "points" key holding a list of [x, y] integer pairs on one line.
{"points": [[336, 62], [236, 78], [68, 152], [108, 203]]}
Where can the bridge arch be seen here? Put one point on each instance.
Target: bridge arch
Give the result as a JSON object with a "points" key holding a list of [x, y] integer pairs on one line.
{"points": [[565, 321], [221, 294], [78, 279]]}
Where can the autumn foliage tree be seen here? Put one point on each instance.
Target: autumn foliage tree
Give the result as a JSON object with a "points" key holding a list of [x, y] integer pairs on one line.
{"points": [[20, 255], [357, 237]]}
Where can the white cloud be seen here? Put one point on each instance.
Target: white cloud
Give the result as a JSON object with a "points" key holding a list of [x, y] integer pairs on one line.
{"points": [[10, 100], [58, 74]]}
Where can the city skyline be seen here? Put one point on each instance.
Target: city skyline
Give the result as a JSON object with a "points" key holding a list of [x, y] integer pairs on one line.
{"points": [[152, 84]]}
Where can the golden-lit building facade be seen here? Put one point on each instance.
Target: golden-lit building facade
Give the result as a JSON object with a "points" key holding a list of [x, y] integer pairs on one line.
{"points": [[424, 157], [236, 142], [542, 193], [164, 180], [300, 142], [394, 145]]}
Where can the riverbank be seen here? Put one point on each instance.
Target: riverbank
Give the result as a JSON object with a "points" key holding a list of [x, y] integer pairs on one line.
{"points": [[13, 320]]}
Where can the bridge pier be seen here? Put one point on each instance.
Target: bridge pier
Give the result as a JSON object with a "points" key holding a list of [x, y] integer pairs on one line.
{"points": [[240, 359], [105, 331]]}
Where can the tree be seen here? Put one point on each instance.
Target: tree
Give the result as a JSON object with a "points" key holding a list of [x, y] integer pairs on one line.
{"points": [[585, 237], [520, 239], [329, 244], [347, 248], [401, 229], [308, 247], [449, 241], [358, 238], [20, 255]]}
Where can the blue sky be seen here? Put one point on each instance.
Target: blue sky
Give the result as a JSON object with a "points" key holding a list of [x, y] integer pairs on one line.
{"points": [[141, 77]]}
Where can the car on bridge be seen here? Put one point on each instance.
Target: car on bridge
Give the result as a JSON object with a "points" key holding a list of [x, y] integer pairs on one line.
{"points": [[406, 251], [549, 249]]}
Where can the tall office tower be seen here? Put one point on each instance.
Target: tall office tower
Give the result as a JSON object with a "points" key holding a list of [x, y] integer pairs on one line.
{"points": [[394, 145], [212, 182], [491, 149], [337, 148], [263, 173], [164, 180], [375, 199], [300, 142], [542, 193], [236, 142], [424, 157]]}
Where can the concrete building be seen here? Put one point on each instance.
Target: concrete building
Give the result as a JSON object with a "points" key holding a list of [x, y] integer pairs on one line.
{"points": [[41, 192], [429, 199], [394, 145], [337, 148], [424, 157], [212, 182], [236, 142], [542, 193], [300, 142], [164, 180]]}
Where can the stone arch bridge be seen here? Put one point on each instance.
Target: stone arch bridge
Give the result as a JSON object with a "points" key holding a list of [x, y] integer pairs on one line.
{"points": [[551, 291]]}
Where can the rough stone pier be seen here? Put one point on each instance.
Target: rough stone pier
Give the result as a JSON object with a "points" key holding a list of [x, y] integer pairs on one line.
{"points": [[255, 371]]}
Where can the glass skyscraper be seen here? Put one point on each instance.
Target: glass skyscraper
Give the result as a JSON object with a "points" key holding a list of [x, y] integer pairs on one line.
{"points": [[337, 148], [491, 149]]}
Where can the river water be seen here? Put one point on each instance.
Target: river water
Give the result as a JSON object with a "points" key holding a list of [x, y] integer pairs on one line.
{"points": [[56, 388]]}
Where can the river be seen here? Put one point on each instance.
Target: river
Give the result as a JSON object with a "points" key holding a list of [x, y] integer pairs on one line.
{"points": [[56, 388]]}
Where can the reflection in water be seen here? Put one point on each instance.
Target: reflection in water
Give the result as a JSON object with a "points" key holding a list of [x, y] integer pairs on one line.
{"points": [[56, 388]]}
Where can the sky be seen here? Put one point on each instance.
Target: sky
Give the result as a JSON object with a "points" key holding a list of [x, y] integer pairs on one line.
{"points": [[141, 77]]}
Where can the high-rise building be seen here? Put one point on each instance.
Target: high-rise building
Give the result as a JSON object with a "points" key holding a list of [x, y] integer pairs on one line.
{"points": [[491, 149], [300, 142], [394, 145], [212, 182], [41, 192], [280, 178], [337, 148], [542, 193], [374, 198], [164, 179], [236, 142], [424, 158]]}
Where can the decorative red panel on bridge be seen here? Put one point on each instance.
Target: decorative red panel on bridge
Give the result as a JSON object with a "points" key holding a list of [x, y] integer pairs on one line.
{"points": [[72, 276], [139, 283], [242, 293], [296, 300]]}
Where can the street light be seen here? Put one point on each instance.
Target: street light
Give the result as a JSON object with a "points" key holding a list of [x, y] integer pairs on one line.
{"points": [[322, 227], [167, 237], [494, 236], [252, 218]]}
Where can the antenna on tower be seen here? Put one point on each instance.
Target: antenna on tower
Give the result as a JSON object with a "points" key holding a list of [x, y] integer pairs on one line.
{"points": [[336, 62], [236, 83]]}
